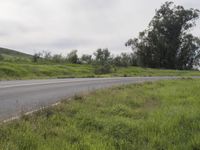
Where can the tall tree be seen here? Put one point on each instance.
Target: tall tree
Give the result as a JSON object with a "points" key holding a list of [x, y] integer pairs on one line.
{"points": [[86, 59], [37, 57], [102, 56], [72, 57], [166, 43], [123, 60], [102, 62]]}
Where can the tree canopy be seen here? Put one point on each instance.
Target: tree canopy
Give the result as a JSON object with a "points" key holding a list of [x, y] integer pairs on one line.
{"points": [[167, 43], [72, 57], [103, 61]]}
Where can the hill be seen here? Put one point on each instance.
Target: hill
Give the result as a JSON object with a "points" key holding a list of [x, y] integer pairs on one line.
{"points": [[8, 54], [18, 65], [13, 70]]}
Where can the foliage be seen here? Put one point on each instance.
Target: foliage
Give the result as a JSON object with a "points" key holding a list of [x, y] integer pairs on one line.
{"points": [[37, 57], [86, 59], [58, 58], [47, 55], [72, 57], [103, 61], [102, 56], [125, 60], [103, 68], [166, 42]]}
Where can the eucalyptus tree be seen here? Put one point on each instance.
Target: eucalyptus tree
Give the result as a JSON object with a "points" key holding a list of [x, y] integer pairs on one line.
{"points": [[167, 42]]}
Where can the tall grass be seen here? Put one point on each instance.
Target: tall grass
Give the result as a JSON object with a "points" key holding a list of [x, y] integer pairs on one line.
{"points": [[161, 115], [10, 71], [35, 71]]}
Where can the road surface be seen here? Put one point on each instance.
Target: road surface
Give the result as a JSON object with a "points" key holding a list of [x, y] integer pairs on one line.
{"points": [[24, 96]]}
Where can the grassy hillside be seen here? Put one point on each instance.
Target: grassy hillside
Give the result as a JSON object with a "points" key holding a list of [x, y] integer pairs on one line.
{"points": [[9, 71], [17, 65], [35, 71], [145, 116], [12, 55]]}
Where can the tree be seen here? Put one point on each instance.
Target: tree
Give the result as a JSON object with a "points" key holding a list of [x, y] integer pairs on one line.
{"points": [[133, 59], [57, 58], [166, 42], [190, 52], [125, 60], [117, 61], [102, 61], [72, 57], [122, 60], [86, 59], [102, 56], [36, 57], [47, 56]]}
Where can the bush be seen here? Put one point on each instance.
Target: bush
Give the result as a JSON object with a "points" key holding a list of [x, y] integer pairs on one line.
{"points": [[72, 57], [103, 62], [103, 69]]}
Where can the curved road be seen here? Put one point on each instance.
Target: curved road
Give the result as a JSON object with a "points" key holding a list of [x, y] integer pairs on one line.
{"points": [[24, 96]]}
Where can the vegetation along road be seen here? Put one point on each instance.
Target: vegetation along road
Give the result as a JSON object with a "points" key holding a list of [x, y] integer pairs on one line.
{"points": [[147, 116], [17, 97]]}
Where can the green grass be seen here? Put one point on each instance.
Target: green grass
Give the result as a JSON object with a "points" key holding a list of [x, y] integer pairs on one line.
{"points": [[152, 116], [138, 71], [14, 56], [17, 65], [10, 71]]}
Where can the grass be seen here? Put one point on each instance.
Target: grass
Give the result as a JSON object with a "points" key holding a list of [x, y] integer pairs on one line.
{"points": [[17, 65], [138, 71], [152, 116], [11, 70], [14, 56]]}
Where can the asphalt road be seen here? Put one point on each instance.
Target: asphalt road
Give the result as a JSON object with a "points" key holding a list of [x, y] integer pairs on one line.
{"points": [[17, 97]]}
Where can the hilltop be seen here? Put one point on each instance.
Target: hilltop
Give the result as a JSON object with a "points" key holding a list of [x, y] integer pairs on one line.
{"points": [[9, 54]]}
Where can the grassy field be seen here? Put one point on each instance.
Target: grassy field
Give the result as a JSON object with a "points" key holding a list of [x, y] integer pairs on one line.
{"points": [[9, 71], [151, 116], [15, 56], [17, 65]]}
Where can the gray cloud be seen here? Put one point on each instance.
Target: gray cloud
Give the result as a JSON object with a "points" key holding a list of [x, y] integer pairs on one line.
{"points": [[62, 25]]}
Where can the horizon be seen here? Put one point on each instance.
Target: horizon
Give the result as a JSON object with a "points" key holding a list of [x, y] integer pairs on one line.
{"points": [[61, 26]]}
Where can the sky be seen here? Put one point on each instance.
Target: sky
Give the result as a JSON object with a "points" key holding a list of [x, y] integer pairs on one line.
{"points": [[60, 26]]}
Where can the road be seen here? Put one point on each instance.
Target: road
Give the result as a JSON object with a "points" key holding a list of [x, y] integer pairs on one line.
{"points": [[24, 96]]}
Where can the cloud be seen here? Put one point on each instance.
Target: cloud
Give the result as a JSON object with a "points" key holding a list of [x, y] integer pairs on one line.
{"points": [[62, 25]]}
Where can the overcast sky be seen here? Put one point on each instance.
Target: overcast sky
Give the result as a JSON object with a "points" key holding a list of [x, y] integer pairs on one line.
{"points": [[62, 25]]}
